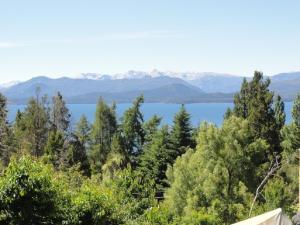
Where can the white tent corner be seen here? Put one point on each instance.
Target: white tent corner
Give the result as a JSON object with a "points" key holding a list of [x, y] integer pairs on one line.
{"points": [[275, 217]]}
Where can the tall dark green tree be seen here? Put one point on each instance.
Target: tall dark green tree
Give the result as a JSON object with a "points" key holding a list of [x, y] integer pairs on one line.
{"points": [[55, 148], [57, 142], [280, 116], [296, 111], [181, 132], [103, 129], [291, 133], [255, 102], [151, 127], [5, 133], [77, 155], [241, 100], [33, 126], [83, 131], [132, 128], [279, 113], [60, 115], [154, 161], [117, 159]]}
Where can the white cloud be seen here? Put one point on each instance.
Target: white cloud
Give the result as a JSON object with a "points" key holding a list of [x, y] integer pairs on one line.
{"points": [[104, 37], [11, 44]]}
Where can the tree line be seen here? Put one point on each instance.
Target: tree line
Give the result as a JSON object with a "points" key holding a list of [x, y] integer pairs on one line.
{"points": [[132, 171]]}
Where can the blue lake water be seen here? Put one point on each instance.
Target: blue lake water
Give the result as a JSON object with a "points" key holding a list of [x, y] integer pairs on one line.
{"points": [[211, 112]]}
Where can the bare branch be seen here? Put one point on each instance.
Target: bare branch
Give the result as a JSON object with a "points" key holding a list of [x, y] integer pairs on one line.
{"points": [[272, 170]]}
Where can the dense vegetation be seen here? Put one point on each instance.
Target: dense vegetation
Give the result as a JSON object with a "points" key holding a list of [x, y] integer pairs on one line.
{"points": [[132, 171]]}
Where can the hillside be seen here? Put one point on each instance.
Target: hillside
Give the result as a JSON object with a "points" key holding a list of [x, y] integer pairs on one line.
{"points": [[156, 86]]}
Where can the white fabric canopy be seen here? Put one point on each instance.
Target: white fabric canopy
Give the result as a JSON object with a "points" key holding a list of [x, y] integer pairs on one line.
{"points": [[275, 217]]}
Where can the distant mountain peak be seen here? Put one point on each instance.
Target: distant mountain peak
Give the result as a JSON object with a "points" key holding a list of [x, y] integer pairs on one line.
{"points": [[135, 74], [94, 76], [9, 84]]}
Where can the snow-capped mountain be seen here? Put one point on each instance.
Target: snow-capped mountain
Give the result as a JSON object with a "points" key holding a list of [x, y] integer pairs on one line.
{"points": [[9, 84], [133, 74], [207, 81], [157, 86]]}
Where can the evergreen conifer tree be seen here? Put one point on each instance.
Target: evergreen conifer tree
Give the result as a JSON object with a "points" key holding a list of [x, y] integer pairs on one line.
{"points": [[103, 129], [132, 129], [181, 132], [255, 102], [5, 132], [55, 148], [154, 161], [117, 159], [32, 126], [83, 131], [241, 100], [77, 155], [296, 111], [60, 115]]}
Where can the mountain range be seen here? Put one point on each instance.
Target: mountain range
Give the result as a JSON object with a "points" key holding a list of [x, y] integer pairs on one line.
{"points": [[156, 86]]}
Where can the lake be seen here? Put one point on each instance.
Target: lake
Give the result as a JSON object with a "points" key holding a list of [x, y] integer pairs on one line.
{"points": [[211, 112]]}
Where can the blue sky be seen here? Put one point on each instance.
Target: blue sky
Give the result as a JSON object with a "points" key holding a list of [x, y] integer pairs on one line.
{"points": [[68, 37]]}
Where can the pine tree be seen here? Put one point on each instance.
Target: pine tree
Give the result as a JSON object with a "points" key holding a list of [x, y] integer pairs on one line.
{"points": [[255, 102], [132, 129], [103, 129], [296, 111], [117, 159], [279, 113], [60, 115], [150, 127], [83, 131], [291, 134], [154, 161], [181, 133], [55, 148], [241, 100], [5, 133], [228, 113], [32, 126], [77, 155]]}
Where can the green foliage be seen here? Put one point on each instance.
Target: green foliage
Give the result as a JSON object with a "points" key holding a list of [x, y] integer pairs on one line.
{"points": [[117, 159], [181, 132], [228, 113], [77, 155], [296, 111], [6, 136], [132, 129], [241, 100], [254, 102], [216, 177], [279, 113], [197, 218], [28, 194], [150, 127], [55, 149], [142, 173], [104, 127], [60, 116], [93, 205], [289, 172], [83, 131], [155, 159], [32, 126], [133, 193]]}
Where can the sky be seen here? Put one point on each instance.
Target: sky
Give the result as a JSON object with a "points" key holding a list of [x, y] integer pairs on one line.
{"points": [[67, 37]]}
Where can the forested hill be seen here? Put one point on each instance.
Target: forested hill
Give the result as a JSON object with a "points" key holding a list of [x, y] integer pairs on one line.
{"points": [[156, 86], [141, 172]]}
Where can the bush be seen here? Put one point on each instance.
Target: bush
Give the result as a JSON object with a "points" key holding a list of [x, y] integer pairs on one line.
{"points": [[28, 194]]}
